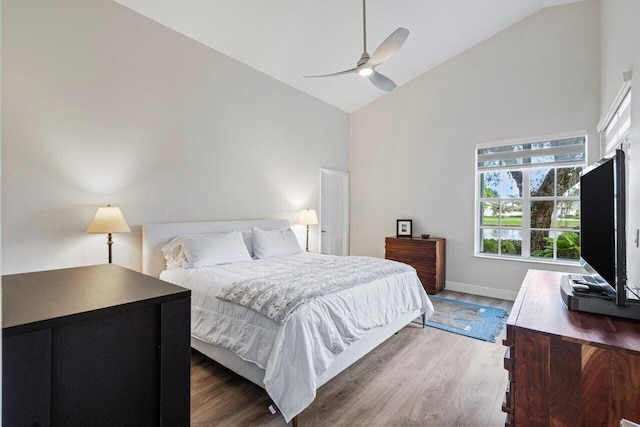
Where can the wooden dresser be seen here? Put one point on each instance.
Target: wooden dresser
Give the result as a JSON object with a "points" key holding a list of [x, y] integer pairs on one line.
{"points": [[99, 345], [427, 256], [568, 368]]}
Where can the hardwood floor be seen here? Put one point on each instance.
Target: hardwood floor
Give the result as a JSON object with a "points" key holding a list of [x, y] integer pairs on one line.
{"points": [[418, 377]]}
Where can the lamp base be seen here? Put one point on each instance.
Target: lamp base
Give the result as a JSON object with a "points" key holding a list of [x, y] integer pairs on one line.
{"points": [[307, 238], [110, 243]]}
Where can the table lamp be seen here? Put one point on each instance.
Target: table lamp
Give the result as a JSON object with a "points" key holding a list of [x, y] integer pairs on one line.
{"points": [[108, 219], [308, 217]]}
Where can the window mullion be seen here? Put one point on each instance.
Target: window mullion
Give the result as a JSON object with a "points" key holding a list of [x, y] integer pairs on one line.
{"points": [[554, 216], [526, 213]]}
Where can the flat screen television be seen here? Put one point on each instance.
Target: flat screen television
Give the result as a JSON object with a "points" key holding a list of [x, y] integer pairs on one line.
{"points": [[602, 224]]}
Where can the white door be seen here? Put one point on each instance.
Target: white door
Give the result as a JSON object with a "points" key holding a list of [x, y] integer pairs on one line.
{"points": [[334, 212]]}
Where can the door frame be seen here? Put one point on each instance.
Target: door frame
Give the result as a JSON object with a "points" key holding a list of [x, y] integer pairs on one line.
{"points": [[345, 219]]}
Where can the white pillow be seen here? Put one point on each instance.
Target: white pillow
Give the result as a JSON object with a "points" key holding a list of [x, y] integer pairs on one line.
{"points": [[274, 243], [247, 235], [206, 250], [173, 253]]}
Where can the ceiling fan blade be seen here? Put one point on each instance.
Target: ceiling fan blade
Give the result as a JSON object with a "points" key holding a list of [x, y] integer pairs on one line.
{"points": [[353, 70], [382, 82], [389, 47]]}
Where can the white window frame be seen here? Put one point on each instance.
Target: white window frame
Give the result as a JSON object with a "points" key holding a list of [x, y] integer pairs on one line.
{"points": [[526, 198], [613, 115]]}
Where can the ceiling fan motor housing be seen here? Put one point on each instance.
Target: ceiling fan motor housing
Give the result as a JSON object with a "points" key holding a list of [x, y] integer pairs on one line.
{"points": [[364, 59]]}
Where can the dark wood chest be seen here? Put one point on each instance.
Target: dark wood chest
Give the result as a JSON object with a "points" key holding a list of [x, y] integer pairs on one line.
{"points": [[427, 256]]}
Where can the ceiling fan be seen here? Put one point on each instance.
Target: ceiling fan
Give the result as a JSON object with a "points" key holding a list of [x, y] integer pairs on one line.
{"points": [[366, 65]]}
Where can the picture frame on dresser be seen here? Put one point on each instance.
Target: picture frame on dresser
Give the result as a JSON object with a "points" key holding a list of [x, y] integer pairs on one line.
{"points": [[404, 228]]}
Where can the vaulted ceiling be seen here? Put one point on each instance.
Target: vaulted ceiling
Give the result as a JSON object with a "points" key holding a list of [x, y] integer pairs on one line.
{"points": [[287, 39]]}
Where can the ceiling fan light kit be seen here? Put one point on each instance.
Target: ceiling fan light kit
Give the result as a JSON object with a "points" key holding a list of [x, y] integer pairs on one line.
{"points": [[366, 65]]}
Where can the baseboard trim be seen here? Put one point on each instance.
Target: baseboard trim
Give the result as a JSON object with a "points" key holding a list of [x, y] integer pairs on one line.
{"points": [[481, 290]]}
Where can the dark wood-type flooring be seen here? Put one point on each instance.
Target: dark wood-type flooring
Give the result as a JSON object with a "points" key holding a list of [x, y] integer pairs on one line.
{"points": [[418, 377]]}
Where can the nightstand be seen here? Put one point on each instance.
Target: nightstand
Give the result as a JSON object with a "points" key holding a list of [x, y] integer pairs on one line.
{"points": [[97, 345]]}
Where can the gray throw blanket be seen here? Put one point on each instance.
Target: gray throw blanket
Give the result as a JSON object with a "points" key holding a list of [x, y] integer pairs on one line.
{"points": [[277, 295]]}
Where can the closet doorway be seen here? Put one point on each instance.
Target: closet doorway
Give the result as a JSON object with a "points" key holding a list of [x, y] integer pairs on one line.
{"points": [[334, 212]]}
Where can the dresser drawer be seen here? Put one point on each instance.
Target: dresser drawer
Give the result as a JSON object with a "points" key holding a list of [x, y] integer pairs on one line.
{"points": [[413, 256], [429, 284], [424, 268], [408, 248], [427, 281]]}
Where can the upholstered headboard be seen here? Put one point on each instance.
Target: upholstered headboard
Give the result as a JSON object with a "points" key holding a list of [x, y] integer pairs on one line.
{"points": [[155, 236]]}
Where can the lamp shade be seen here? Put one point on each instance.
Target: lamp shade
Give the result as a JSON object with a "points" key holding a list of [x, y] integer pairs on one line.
{"points": [[108, 219], [308, 217]]}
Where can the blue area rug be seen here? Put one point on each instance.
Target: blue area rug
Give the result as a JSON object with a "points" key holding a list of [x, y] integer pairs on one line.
{"points": [[464, 318]]}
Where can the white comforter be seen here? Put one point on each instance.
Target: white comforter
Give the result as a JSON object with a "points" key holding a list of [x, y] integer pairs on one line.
{"points": [[295, 353]]}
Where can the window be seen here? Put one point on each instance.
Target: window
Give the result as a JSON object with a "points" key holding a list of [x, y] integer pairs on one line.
{"points": [[615, 126], [528, 198], [617, 131]]}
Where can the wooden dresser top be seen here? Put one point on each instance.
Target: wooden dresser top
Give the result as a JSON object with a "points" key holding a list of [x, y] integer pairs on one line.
{"points": [[44, 299], [416, 239], [539, 307]]}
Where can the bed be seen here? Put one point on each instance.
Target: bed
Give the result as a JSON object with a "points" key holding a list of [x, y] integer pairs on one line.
{"points": [[294, 354]]}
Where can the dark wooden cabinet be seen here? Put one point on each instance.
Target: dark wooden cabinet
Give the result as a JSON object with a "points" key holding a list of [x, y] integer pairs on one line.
{"points": [[99, 346], [568, 368], [427, 256]]}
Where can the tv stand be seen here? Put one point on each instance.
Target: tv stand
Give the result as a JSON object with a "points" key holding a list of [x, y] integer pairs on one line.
{"points": [[568, 368], [596, 302]]}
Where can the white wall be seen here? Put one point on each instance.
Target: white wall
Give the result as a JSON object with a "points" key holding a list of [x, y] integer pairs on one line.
{"points": [[620, 42], [102, 105], [412, 152]]}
